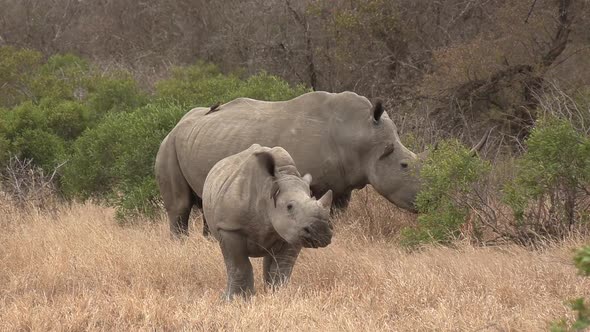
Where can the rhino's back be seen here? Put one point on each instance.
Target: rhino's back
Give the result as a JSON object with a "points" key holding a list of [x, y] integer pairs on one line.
{"points": [[302, 126]]}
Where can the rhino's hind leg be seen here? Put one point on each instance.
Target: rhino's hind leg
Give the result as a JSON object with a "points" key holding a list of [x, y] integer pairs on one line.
{"points": [[179, 209], [176, 193], [199, 204], [278, 265], [240, 276]]}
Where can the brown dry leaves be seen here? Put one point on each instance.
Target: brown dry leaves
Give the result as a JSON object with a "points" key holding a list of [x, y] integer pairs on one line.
{"points": [[79, 270]]}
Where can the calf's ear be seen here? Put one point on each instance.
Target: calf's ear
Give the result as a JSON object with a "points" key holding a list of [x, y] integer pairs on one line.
{"points": [[377, 110], [307, 178], [266, 161]]}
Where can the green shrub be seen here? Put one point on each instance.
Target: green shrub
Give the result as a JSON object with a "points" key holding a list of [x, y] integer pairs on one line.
{"points": [[448, 174], [582, 322], [267, 87], [4, 145], [62, 77], [66, 119], [204, 85], [551, 179], [46, 149], [27, 115], [198, 85], [58, 99], [64, 109], [59, 122], [115, 160], [116, 93], [17, 68]]}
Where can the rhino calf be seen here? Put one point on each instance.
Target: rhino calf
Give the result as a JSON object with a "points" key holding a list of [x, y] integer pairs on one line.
{"points": [[257, 205]]}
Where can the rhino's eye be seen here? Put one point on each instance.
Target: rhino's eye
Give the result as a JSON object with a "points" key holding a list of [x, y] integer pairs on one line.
{"points": [[388, 150], [290, 207]]}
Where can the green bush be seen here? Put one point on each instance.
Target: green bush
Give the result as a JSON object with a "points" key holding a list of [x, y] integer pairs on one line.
{"points": [[109, 131], [46, 149], [115, 160], [267, 87], [24, 127], [17, 68], [198, 85], [204, 85], [58, 99], [448, 174], [121, 148], [66, 119], [62, 77], [582, 322], [551, 179], [117, 93]]}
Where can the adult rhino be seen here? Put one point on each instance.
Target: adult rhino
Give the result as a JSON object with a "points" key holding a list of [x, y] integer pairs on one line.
{"points": [[341, 139]]}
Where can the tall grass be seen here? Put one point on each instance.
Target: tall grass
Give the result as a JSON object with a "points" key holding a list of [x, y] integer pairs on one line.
{"points": [[77, 269]]}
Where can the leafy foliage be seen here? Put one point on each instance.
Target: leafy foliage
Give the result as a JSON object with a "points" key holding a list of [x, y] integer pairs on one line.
{"points": [[101, 123], [582, 322], [448, 174], [17, 67], [204, 85], [50, 104], [114, 161], [117, 93], [552, 178]]}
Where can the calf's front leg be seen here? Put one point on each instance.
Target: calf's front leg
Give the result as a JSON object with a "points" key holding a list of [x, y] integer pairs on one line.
{"points": [[240, 277], [278, 265]]}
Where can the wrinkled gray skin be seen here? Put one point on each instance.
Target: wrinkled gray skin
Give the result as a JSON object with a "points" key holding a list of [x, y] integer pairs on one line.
{"points": [[257, 205], [341, 139]]}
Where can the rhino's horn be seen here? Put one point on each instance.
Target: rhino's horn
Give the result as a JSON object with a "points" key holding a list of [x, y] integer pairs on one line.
{"points": [[481, 142], [326, 200]]}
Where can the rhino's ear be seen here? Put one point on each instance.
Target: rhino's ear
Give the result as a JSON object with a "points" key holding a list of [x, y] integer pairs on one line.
{"points": [[307, 178], [377, 111], [267, 161], [326, 200]]}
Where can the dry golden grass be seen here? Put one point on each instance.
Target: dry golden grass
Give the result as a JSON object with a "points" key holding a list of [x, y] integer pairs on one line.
{"points": [[78, 270]]}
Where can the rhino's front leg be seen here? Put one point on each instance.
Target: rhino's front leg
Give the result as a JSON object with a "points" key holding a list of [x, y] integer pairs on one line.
{"points": [[278, 265], [240, 277]]}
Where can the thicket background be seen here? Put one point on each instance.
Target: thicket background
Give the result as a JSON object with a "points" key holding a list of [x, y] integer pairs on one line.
{"points": [[88, 89]]}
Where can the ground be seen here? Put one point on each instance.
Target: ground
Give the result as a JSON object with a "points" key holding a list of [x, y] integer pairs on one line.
{"points": [[75, 268]]}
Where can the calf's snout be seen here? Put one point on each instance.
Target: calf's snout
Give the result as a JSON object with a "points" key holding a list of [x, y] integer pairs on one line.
{"points": [[318, 234]]}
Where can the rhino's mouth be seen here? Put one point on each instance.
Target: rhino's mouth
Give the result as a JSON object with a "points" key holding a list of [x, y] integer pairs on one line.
{"points": [[316, 235]]}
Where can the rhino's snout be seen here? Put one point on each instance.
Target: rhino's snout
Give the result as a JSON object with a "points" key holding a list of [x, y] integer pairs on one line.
{"points": [[316, 235]]}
